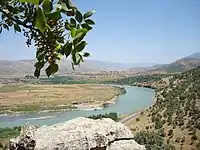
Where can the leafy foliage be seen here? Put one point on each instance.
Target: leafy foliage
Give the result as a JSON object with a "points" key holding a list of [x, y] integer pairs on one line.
{"points": [[152, 141], [177, 106], [140, 79], [113, 116], [9, 132], [56, 27]]}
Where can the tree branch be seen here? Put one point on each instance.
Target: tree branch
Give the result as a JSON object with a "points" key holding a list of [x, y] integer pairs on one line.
{"points": [[18, 21]]}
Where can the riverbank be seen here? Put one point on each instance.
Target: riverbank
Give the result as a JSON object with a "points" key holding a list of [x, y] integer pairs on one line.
{"points": [[85, 97]]}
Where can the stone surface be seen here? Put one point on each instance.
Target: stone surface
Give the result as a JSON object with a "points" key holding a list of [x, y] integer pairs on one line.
{"points": [[77, 134]]}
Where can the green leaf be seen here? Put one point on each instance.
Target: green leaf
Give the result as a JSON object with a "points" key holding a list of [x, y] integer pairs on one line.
{"points": [[17, 28], [51, 69], [6, 26], [78, 37], [47, 6], [78, 26], [80, 46], [79, 16], [73, 22], [67, 25], [79, 59], [39, 65], [40, 55], [55, 15], [86, 54], [37, 73], [84, 25], [36, 2], [57, 47], [88, 14], [73, 32], [72, 66], [64, 7], [67, 49], [60, 40], [59, 56], [69, 4], [40, 20], [40, 2], [82, 30], [90, 22], [76, 58]]}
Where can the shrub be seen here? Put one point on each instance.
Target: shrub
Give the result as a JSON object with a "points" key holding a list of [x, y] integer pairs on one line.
{"points": [[161, 132], [194, 137], [147, 127], [137, 119], [112, 116], [9, 132], [1, 145], [183, 139], [168, 141], [198, 145], [133, 129], [170, 133], [152, 141], [177, 140]]}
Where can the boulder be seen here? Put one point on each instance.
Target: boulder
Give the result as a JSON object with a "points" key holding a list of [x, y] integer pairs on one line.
{"points": [[76, 134]]}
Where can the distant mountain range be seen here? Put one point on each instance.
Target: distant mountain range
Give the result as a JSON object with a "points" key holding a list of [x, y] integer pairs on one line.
{"points": [[22, 67]]}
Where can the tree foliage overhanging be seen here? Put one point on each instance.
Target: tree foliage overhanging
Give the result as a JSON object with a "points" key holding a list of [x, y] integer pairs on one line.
{"points": [[56, 27]]}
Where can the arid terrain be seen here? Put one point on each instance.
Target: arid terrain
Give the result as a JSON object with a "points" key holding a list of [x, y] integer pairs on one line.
{"points": [[30, 97], [175, 114]]}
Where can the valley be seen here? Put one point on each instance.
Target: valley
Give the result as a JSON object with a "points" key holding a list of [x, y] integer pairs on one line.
{"points": [[170, 120]]}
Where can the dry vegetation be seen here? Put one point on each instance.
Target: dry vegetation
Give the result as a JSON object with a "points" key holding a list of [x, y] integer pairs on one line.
{"points": [[15, 97], [175, 116]]}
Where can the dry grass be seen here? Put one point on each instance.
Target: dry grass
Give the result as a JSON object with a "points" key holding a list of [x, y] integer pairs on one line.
{"points": [[145, 121], [52, 95]]}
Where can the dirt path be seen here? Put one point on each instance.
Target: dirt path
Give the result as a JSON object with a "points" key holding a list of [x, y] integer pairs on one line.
{"points": [[129, 118]]}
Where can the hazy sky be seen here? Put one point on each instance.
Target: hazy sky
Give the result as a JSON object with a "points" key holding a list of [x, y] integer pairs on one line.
{"points": [[156, 31]]}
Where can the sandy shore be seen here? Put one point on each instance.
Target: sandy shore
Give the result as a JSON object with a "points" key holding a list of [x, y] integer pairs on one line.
{"points": [[89, 107]]}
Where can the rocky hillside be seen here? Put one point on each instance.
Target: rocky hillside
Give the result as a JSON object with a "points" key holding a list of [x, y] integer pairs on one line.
{"points": [[181, 65], [176, 113]]}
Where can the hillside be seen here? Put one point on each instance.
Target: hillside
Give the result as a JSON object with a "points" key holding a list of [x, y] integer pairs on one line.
{"points": [[175, 115], [181, 65]]}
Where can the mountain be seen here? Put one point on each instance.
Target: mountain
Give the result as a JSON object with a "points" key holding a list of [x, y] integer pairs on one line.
{"points": [[175, 114], [181, 65], [21, 67], [195, 56]]}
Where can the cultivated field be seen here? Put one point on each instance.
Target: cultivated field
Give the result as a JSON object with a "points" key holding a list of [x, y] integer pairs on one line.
{"points": [[15, 97]]}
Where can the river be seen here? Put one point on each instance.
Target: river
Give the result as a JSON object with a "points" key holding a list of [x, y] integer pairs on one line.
{"points": [[135, 99]]}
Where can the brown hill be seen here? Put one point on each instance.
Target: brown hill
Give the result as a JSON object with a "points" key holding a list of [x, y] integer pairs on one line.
{"points": [[175, 115]]}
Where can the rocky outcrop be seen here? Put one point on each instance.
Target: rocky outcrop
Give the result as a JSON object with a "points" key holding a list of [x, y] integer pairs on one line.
{"points": [[77, 134]]}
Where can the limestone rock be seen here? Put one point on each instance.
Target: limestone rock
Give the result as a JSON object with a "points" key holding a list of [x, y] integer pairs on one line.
{"points": [[77, 134]]}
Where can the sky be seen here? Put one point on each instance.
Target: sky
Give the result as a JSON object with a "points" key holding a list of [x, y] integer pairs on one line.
{"points": [[130, 31]]}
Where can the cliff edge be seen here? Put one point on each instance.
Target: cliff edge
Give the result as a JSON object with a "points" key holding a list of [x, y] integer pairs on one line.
{"points": [[76, 134]]}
